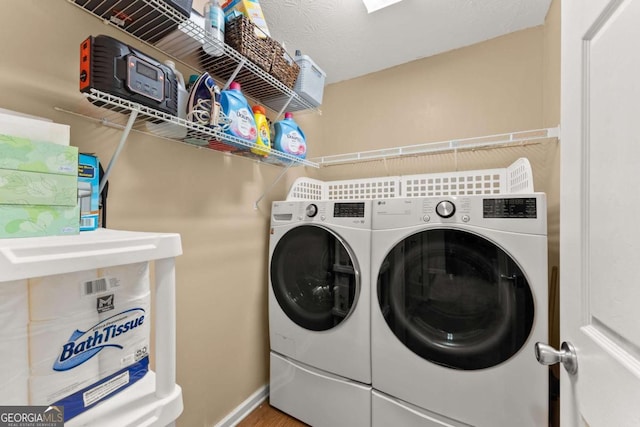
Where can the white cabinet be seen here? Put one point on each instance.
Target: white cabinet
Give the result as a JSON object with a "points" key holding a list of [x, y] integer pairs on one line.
{"points": [[156, 399]]}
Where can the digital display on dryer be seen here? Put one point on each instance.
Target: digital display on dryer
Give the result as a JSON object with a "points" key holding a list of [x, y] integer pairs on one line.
{"points": [[524, 207], [348, 210]]}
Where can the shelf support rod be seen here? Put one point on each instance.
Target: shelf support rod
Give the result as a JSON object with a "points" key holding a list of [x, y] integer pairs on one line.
{"points": [[116, 154], [268, 190], [284, 107], [234, 74]]}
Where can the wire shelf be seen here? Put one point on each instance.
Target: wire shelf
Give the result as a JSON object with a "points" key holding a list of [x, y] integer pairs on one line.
{"points": [[156, 23], [114, 111]]}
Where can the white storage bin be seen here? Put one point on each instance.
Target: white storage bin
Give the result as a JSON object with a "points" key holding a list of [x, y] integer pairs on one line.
{"points": [[310, 82], [110, 254]]}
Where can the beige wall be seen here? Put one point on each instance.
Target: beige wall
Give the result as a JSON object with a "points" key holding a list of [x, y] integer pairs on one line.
{"points": [[489, 88], [507, 84]]}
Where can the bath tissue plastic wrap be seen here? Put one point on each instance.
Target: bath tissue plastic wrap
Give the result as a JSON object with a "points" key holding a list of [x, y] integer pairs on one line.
{"points": [[14, 305], [88, 335], [64, 295], [133, 345], [130, 288], [54, 372], [59, 306], [14, 369], [129, 281], [14, 343]]}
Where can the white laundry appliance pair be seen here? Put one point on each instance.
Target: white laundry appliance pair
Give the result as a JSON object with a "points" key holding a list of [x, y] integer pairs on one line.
{"points": [[413, 312], [319, 311]]}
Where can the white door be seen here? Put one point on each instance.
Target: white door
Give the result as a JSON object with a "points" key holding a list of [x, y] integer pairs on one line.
{"points": [[600, 212]]}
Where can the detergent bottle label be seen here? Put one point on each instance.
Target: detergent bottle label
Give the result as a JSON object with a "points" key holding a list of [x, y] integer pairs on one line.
{"points": [[263, 133], [242, 124], [263, 143], [294, 143]]}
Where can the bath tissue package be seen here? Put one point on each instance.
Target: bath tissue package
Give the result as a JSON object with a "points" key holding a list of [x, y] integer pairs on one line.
{"points": [[14, 343], [14, 370], [88, 335]]}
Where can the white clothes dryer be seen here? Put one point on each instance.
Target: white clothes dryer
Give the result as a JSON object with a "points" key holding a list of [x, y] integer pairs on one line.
{"points": [[319, 311], [459, 303]]}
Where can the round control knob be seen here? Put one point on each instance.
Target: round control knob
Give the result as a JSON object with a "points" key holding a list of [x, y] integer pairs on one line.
{"points": [[445, 209], [312, 210]]}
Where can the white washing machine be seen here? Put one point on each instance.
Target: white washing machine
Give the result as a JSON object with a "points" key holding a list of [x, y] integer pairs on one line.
{"points": [[458, 302], [319, 311]]}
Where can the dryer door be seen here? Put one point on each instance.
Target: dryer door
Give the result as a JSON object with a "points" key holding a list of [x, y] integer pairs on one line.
{"points": [[455, 298], [315, 277]]}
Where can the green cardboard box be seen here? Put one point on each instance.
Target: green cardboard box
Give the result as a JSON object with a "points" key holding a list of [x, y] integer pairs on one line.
{"points": [[36, 221], [36, 156], [38, 188]]}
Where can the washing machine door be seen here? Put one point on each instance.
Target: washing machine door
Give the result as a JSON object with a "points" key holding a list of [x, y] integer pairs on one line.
{"points": [[315, 277], [455, 298]]}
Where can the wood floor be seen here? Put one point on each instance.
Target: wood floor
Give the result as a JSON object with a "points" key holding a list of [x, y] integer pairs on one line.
{"points": [[268, 416]]}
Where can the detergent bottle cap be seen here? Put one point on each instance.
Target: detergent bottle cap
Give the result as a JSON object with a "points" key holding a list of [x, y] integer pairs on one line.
{"points": [[288, 115], [259, 109], [234, 86]]}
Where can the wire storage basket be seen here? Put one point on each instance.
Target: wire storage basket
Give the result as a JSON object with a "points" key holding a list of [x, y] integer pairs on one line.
{"points": [[250, 41], [284, 67]]}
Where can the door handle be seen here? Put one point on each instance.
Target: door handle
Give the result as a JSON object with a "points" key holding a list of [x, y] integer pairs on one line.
{"points": [[547, 355]]}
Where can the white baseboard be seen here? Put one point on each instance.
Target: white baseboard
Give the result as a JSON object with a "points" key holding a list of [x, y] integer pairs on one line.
{"points": [[245, 408]]}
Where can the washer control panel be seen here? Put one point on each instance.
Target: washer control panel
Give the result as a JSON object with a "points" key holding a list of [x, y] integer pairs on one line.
{"points": [[512, 207], [506, 212]]}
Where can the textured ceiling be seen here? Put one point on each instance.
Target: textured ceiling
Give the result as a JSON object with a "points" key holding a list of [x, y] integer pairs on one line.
{"points": [[346, 42]]}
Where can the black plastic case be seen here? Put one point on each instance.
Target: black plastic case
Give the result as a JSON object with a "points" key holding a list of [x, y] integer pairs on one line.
{"points": [[103, 66]]}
